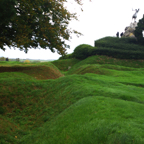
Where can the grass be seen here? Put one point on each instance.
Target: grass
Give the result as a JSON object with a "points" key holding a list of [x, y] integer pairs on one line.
{"points": [[95, 119], [64, 65], [99, 100], [41, 71]]}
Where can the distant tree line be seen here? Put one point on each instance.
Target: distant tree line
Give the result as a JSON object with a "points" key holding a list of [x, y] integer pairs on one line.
{"points": [[7, 59]]}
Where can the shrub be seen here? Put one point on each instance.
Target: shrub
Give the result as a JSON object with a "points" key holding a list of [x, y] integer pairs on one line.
{"points": [[124, 48], [26, 61], [82, 51], [124, 40], [119, 43], [2, 58]]}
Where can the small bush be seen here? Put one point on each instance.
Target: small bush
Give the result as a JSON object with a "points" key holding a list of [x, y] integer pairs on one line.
{"points": [[82, 51], [2, 58], [26, 61]]}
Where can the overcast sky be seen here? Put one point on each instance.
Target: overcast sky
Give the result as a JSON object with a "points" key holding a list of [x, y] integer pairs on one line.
{"points": [[99, 19]]}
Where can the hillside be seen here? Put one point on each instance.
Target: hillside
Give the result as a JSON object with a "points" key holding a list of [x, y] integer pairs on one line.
{"points": [[97, 100], [39, 71]]}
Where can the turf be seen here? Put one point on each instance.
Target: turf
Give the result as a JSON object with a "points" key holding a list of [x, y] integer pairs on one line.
{"points": [[99, 100], [64, 65], [94, 119], [40, 71], [108, 62]]}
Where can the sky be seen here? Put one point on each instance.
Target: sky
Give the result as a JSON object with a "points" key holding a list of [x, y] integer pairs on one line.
{"points": [[100, 18]]}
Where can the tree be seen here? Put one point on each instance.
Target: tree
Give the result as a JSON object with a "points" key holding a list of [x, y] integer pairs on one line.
{"points": [[36, 23], [139, 30], [7, 10]]}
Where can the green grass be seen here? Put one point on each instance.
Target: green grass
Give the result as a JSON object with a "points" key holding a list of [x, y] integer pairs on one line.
{"points": [[94, 119], [4, 63], [63, 65], [13, 75], [108, 63], [99, 100], [45, 70]]}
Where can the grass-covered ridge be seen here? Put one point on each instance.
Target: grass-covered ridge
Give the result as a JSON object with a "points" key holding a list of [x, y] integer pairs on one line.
{"points": [[106, 62], [45, 70], [96, 100], [94, 119]]}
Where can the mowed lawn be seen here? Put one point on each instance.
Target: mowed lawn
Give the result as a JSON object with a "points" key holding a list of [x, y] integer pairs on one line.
{"points": [[99, 100]]}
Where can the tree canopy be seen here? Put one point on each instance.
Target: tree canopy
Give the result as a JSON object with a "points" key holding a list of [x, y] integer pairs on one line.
{"points": [[7, 10], [139, 30], [28, 24]]}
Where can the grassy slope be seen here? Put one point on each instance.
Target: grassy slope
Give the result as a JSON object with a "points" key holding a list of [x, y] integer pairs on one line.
{"points": [[104, 107], [40, 71], [95, 119], [108, 62], [64, 64], [18, 93]]}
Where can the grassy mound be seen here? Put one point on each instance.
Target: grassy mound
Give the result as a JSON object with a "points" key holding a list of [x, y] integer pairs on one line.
{"points": [[109, 70], [92, 120], [91, 64], [99, 100], [32, 103], [93, 68], [13, 75], [41, 72]]}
